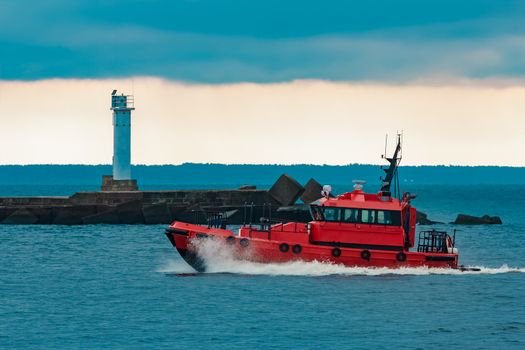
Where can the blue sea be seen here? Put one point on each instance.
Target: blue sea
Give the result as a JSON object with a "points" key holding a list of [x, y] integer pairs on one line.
{"points": [[125, 287]]}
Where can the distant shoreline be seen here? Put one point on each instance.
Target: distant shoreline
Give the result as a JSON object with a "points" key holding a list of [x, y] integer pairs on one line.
{"points": [[269, 164], [193, 173]]}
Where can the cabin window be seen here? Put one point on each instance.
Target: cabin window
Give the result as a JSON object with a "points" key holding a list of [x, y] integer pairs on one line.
{"points": [[389, 217], [317, 213], [368, 216], [332, 214], [383, 218], [351, 215], [354, 215]]}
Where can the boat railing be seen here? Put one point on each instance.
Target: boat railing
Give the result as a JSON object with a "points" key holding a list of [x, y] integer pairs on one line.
{"points": [[213, 219], [433, 241], [275, 225], [216, 220], [271, 226], [266, 223], [250, 210]]}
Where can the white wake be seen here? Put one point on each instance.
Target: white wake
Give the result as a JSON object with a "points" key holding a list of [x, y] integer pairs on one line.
{"points": [[218, 258]]}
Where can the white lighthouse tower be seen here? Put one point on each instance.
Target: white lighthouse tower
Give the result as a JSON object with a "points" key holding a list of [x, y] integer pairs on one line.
{"points": [[121, 105]]}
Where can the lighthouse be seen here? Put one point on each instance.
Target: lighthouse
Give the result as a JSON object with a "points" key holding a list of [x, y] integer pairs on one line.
{"points": [[121, 105]]}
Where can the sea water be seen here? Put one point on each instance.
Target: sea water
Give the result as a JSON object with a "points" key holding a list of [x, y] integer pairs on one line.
{"points": [[125, 287]]}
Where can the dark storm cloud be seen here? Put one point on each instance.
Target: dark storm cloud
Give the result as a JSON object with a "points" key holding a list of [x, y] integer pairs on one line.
{"points": [[225, 41]]}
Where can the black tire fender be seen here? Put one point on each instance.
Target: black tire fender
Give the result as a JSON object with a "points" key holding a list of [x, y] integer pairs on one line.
{"points": [[244, 242], [336, 252], [230, 240], [401, 257], [284, 247], [365, 255], [297, 248]]}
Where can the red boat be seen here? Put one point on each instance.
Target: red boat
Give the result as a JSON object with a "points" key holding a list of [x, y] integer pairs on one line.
{"points": [[353, 229]]}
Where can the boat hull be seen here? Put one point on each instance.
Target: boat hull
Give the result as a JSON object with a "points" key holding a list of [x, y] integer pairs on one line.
{"points": [[188, 239]]}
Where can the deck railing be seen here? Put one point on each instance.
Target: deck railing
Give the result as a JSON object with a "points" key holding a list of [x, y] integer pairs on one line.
{"points": [[432, 241]]}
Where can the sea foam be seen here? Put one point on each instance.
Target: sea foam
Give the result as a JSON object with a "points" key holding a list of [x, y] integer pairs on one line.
{"points": [[219, 258]]}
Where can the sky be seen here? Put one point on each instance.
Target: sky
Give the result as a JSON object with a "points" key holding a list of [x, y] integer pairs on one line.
{"points": [[264, 81]]}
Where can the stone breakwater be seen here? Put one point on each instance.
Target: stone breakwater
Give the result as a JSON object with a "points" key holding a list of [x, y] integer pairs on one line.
{"points": [[236, 206], [163, 207]]}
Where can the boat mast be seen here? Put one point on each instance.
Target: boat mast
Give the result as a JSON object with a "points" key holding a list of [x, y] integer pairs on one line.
{"points": [[391, 172]]}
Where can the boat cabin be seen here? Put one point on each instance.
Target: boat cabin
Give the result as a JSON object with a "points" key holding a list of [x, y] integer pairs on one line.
{"points": [[363, 220]]}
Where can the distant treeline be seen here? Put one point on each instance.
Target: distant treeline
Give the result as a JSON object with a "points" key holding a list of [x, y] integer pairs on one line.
{"points": [[220, 174]]}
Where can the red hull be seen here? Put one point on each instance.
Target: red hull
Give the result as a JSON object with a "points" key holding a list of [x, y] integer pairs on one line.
{"points": [[292, 242]]}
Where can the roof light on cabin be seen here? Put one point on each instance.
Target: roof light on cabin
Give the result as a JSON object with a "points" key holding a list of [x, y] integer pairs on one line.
{"points": [[358, 185], [326, 191]]}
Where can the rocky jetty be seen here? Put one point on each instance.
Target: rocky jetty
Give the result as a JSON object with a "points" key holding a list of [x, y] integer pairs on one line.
{"points": [[463, 219], [115, 206], [237, 206]]}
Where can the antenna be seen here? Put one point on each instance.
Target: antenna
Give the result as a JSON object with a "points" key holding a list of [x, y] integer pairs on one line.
{"points": [[386, 142], [401, 150]]}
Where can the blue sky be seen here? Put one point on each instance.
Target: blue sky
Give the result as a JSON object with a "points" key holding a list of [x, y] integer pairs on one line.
{"points": [[222, 41]]}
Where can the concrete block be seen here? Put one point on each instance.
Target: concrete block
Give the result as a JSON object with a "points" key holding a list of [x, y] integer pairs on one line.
{"points": [[156, 214], [175, 211], [44, 215], [286, 190], [105, 198], [72, 215], [20, 216], [5, 212], [107, 217], [130, 212], [312, 191]]}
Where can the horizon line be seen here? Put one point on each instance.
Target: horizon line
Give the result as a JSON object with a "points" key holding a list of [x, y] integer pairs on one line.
{"points": [[274, 164]]}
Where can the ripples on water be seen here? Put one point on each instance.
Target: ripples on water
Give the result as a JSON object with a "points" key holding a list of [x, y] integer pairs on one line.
{"points": [[94, 287]]}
